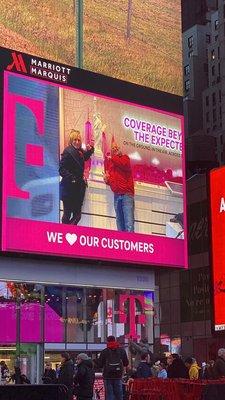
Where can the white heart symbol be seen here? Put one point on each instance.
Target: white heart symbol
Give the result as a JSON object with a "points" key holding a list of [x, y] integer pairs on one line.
{"points": [[71, 238]]}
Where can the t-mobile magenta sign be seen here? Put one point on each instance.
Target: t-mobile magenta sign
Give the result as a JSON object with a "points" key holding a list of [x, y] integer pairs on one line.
{"points": [[85, 174]]}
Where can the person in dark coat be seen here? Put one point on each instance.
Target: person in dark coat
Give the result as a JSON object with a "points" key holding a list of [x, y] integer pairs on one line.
{"points": [[17, 376], [209, 372], [144, 368], [66, 374], [73, 184], [176, 367], [219, 366], [84, 378], [49, 376], [113, 359], [4, 370]]}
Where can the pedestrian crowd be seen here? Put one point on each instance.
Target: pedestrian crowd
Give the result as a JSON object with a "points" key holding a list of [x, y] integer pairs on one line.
{"points": [[114, 363]]}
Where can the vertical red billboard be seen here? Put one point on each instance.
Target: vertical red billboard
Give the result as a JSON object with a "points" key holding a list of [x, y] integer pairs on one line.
{"points": [[217, 197]]}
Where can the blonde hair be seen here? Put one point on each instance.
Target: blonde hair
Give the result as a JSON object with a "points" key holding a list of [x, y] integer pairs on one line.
{"points": [[74, 134]]}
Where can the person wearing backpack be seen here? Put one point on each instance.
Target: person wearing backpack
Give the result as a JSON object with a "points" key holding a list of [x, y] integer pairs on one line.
{"points": [[113, 360]]}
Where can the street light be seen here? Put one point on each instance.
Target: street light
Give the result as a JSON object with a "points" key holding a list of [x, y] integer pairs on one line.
{"points": [[79, 10], [129, 13]]}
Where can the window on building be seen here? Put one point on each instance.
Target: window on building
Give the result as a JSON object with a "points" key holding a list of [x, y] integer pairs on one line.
{"points": [[187, 69], [221, 139], [216, 38], [190, 54], [218, 53], [220, 96], [214, 98], [214, 115], [213, 55], [187, 85], [224, 11], [207, 100], [220, 112], [208, 130], [216, 24], [207, 117], [213, 70], [208, 38], [214, 127], [190, 41], [219, 69]]}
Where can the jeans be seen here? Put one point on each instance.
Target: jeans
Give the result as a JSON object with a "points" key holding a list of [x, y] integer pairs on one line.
{"points": [[124, 208], [113, 389]]}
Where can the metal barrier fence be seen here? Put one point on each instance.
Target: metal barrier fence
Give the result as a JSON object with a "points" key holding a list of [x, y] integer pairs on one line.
{"points": [[33, 392], [176, 389]]}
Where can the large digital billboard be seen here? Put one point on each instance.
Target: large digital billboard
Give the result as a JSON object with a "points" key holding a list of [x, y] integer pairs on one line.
{"points": [[89, 175], [217, 197], [135, 40]]}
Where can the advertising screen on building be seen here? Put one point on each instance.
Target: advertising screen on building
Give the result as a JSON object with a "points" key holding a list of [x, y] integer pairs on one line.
{"points": [[88, 175], [135, 40], [217, 196]]}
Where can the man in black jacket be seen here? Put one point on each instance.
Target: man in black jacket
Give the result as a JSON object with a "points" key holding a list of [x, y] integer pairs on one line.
{"points": [[84, 378], [113, 359], [144, 368], [49, 376], [73, 184], [219, 366], [66, 374]]}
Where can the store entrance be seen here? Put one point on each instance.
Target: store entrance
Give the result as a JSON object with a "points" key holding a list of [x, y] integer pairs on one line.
{"points": [[27, 356], [54, 357]]}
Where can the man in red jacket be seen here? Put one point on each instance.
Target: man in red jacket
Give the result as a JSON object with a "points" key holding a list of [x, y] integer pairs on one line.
{"points": [[119, 177]]}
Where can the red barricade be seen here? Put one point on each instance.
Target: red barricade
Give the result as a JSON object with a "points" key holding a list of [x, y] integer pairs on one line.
{"points": [[169, 389]]}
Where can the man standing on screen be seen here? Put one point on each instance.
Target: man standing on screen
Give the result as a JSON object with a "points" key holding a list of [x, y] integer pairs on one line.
{"points": [[73, 184], [119, 177]]}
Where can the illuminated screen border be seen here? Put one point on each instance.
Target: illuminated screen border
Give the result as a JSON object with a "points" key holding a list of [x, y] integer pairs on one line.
{"points": [[111, 81]]}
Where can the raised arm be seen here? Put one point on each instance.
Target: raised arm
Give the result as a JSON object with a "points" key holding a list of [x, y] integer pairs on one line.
{"points": [[88, 153]]}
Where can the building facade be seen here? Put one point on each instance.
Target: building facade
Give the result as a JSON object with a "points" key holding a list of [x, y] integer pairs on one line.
{"points": [[47, 307]]}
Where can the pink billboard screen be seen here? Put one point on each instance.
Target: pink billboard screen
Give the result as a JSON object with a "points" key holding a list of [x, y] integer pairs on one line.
{"points": [[88, 175]]}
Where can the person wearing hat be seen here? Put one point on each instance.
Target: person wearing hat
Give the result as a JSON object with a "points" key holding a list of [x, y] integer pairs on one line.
{"points": [[84, 378], [66, 373]]}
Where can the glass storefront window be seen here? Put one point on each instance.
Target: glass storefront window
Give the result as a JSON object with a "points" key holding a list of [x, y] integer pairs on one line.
{"points": [[7, 313], [54, 315], [95, 315], [30, 314], [75, 321], [129, 314]]}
